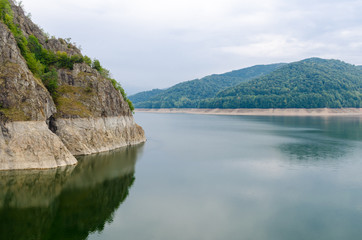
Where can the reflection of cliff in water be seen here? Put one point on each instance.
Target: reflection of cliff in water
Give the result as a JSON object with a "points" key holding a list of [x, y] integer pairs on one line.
{"points": [[67, 203]]}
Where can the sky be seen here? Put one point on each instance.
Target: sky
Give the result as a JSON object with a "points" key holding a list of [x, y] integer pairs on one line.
{"points": [[156, 44]]}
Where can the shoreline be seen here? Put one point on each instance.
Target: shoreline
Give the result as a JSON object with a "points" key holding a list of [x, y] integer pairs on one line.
{"points": [[260, 112]]}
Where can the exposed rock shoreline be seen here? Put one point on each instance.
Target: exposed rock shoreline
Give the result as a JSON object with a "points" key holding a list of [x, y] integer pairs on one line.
{"points": [[262, 112], [31, 145], [83, 136]]}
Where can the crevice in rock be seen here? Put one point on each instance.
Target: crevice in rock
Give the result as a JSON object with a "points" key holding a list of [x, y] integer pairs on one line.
{"points": [[51, 122], [4, 129]]}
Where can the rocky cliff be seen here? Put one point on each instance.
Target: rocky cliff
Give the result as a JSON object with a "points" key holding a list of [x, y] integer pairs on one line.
{"points": [[92, 116], [22, 96], [54, 103]]}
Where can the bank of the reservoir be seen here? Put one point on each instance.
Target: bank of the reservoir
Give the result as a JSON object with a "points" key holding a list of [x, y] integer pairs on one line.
{"points": [[261, 112]]}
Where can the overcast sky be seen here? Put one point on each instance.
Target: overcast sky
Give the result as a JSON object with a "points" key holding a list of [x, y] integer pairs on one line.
{"points": [[150, 44]]}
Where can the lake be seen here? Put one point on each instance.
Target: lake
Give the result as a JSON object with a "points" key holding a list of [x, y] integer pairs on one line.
{"points": [[200, 177]]}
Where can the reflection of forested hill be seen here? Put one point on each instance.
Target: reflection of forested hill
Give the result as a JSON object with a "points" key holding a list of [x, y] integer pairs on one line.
{"points": [[315, 138], [343, 128], [63, 203]]}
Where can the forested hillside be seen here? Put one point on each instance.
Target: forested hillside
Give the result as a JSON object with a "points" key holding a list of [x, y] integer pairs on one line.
{"points": [[144, 96], [310, 83], [188, 94]]}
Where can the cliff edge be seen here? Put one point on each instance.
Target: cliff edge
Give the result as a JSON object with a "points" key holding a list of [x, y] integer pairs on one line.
{"points": [[55, 102]]}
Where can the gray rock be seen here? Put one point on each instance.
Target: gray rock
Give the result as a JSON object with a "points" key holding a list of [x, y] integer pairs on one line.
{"points": [[32, 146], [23, 95], [30, 28], [94, 95], [84, 136]]}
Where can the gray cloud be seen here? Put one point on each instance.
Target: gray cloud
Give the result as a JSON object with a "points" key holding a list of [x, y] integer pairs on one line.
{"points": [[149, 44]]}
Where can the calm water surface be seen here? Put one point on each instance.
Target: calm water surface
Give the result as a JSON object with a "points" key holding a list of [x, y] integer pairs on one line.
{"points": [[200, 177]]}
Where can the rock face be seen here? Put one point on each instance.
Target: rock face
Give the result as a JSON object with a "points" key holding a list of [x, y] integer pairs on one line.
{"points": [[22, 95], [89, 114], [27, 142], [92, 135], [92, 115], [30, 28], [85, 93], [30, 145]]}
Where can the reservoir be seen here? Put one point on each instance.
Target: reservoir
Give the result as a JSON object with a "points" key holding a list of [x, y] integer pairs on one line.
{"points": [[200, 177]]}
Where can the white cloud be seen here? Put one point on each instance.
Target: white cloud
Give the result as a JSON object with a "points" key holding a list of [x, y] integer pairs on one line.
{"points": [[149, 44]]}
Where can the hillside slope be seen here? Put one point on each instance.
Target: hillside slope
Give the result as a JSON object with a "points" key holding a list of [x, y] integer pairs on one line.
{"points": [[310, 83], [145, 96], [188, 94]]}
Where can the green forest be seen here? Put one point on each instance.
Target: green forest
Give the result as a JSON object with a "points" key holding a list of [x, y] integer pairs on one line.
{"points": [[145, 96], [189, 94], [310, 83]]}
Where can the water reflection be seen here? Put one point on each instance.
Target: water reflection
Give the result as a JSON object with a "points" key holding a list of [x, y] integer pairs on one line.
{"points": [[66, 203], [347, 127], [309, 152], [315, 139]]}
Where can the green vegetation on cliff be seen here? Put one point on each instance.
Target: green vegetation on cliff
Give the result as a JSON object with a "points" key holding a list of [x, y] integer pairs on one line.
{"points": [[189, 94], [43, 63], [106, 74]]}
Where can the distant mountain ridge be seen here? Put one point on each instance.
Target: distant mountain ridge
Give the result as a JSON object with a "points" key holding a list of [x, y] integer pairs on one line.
{"points": [[145, 96], [309, 83], [189, 93]]}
